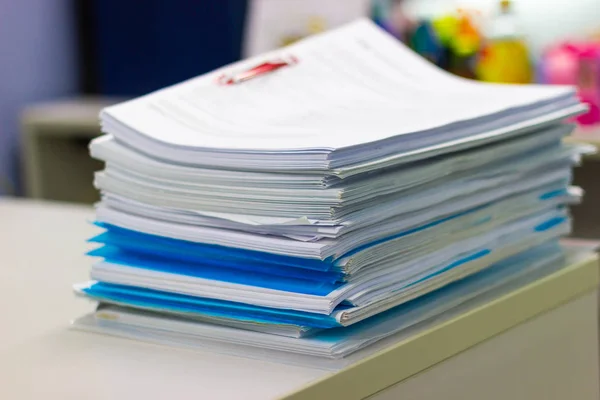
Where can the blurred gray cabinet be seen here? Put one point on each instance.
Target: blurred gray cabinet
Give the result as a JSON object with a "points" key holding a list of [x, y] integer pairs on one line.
{"points": [[586, 216], [55, 138]]}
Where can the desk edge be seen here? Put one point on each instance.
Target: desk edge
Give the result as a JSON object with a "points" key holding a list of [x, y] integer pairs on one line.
{"points": [[449, 338]]}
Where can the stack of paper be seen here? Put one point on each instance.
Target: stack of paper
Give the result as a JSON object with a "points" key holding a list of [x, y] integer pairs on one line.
{"points": [[326, 204]]}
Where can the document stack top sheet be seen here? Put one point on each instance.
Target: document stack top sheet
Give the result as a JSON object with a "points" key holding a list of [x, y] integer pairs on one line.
{"points": [[346, 101]]}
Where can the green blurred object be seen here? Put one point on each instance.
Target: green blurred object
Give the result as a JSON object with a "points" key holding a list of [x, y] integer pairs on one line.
{"points": [[451, 42]]}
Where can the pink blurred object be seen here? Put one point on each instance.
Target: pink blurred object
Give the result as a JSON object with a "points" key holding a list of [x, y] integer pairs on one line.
{"points": [[576, 64]]}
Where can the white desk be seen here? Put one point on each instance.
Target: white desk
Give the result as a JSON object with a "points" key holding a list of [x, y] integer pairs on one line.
{"points": [[548, 349]]}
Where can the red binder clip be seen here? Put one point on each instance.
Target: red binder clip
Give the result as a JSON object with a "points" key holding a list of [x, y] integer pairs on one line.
{"points": [[262, 69]]}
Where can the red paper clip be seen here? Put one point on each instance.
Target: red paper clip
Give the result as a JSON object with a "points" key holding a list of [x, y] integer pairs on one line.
{"points": [[264, 68]]}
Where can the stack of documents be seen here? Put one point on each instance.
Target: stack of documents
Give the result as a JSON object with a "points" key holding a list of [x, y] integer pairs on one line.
{"points": [[319, 198]]}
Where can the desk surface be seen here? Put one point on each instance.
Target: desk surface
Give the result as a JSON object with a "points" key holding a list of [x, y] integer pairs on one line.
{"points": [[43, 246]]}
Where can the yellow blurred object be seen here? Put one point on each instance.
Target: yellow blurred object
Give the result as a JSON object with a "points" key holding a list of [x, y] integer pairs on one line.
{"points": [[458, 32], [467, 38], [505, 57], [315, 25], [290, 39], [505, 61], [445, 28]]}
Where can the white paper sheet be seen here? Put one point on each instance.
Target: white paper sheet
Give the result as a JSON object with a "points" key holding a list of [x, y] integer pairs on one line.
{"points": [[352, 88]]}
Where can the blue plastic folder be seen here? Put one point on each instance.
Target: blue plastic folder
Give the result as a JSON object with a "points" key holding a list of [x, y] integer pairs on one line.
{"points": [[153, 244], [124, 245], [264, 276], [191, 306], [243, 274]]}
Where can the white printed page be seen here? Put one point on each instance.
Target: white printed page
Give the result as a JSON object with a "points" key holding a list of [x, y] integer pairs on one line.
{"points": [[351, 86]]}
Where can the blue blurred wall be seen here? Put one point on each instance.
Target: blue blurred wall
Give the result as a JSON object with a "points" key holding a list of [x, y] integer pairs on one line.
{"points": [[163, 42], [37, 62]]}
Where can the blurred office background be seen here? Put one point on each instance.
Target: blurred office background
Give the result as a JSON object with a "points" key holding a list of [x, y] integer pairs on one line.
{"points": [[63, 60]]}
